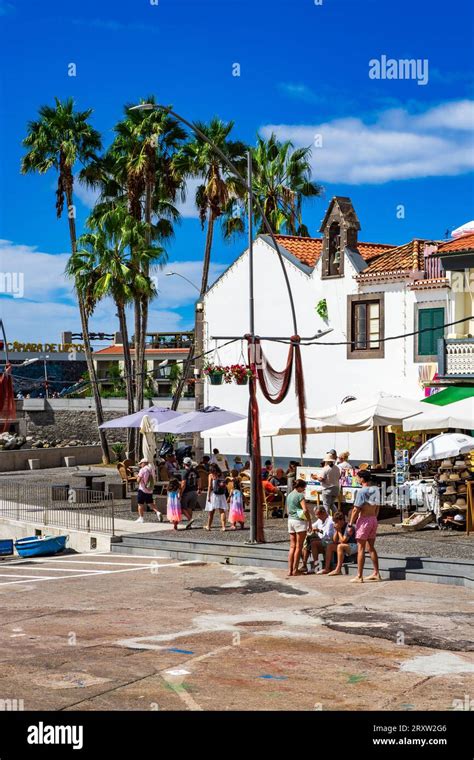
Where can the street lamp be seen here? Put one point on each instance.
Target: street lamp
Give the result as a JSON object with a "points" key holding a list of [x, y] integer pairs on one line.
{"points": [[177, 274], [39, 359]]}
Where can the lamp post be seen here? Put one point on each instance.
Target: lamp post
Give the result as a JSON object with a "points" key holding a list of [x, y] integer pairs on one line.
{"points": [[39, 359], [177, 274]]}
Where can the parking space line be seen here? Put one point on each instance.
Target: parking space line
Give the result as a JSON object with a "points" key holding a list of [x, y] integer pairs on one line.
{"points": [[71, 561], [14, 575], [86, 574], [56, 569]]}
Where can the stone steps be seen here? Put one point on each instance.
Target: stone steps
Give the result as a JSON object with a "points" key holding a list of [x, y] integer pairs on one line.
{"points": [[427, 569]]}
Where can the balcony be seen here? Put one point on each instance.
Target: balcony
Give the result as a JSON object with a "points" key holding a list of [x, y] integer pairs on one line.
{"points": [[456, 358], [169, 340]]}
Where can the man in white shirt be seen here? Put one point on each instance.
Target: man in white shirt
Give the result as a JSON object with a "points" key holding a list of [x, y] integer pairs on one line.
{"points": [[220, 460], [322, 535], [330, 483]]}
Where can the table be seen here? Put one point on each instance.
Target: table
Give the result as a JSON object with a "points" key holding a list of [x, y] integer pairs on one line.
{"points": [[89, 476]]}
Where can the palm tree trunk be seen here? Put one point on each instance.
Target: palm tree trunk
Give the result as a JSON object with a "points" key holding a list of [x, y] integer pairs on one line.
{"points": [[99, 414], [184, 376], [207, 253], [142, 315], [127, 360]]}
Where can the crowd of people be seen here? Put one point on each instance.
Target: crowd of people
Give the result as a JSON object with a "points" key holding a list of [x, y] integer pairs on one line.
{"points": [[325, 533], [223, 487]]}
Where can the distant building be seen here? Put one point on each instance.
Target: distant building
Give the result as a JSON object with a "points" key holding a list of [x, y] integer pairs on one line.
{"points": [[165, 354], [41, 369]]}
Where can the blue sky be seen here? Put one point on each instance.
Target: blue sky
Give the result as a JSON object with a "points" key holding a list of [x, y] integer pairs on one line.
{"points": [[304, 71]]}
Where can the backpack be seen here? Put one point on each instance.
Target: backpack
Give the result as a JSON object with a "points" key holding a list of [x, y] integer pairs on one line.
{"points": [[192, 480], [219, 486], [150, 483]]}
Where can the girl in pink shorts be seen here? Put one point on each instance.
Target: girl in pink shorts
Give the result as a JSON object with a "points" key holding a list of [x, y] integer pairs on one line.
{"points": [[366, 528]]}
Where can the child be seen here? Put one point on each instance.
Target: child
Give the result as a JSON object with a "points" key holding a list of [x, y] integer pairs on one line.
{"points": [[173, 507], [236, 506]]}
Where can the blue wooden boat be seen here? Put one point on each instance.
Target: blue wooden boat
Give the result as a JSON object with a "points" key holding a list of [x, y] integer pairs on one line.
{"points": [[6, 547], [36, 546]]}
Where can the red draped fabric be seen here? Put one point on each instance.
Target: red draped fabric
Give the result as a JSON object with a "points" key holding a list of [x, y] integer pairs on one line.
{"points": [[7, 399], [274, 385]]}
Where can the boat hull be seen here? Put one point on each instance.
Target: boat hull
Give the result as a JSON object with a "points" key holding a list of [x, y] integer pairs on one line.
{"points": [[33, 546]]}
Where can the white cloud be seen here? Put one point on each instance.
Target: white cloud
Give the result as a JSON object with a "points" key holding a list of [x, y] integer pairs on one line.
{"points": [[48, 306], [174, 291], [87, 195], [397, 145], [43, 273], [299, 92], [188, 209]]}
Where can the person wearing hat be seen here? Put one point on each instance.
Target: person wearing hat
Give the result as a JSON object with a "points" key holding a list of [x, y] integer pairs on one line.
{"points": [[330, 482], [189, 490], [238, 465], [146, 483], [343, 461]]}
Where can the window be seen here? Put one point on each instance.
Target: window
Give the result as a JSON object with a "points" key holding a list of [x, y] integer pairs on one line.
{"points": [[366, 326], [365, 317], [431, 321]]}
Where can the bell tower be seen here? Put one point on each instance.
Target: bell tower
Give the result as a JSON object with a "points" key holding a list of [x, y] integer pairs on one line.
{"points": [[340, 227]]}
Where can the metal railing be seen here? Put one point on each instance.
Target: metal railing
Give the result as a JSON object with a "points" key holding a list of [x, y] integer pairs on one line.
{"points": [[60, 506]]}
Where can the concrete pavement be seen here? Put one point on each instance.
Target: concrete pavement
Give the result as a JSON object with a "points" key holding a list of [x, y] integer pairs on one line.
{"points": [[106, 632]]}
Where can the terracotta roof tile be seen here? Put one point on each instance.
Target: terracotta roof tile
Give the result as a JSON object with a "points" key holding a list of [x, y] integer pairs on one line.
{"points": [[308, 250], [459, 245], [408, 257]]}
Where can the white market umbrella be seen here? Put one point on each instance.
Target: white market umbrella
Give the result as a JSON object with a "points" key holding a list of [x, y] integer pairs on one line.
{"points": [[149, 440], [459, 414], [443, 446], [161, 414], [379, 409], [195, 422], [271, 425]]}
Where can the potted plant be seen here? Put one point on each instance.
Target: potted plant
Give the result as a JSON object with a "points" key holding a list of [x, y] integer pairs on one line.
{"points": [[217, 374], [241, 373], [119, 451]]}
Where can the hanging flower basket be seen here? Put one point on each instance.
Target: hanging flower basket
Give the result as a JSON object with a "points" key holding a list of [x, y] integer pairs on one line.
{"points": [[241, 373], [217, 374], [216, 378]]}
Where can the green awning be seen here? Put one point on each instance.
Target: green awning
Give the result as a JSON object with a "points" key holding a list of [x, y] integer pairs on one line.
{"points": [[450, 395]]}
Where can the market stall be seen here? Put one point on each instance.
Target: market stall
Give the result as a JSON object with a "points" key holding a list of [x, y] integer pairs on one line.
{"points": [[446, 465]]}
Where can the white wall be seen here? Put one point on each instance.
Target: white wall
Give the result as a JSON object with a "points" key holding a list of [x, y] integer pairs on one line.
{"points": [[329, 376]]}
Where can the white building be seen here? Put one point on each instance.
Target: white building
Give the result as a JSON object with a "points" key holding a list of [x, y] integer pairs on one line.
{"points": [[372, 291]]}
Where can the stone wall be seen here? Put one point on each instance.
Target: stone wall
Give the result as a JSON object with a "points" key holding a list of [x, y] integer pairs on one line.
{"points": [[69, 425], [65, 421]]}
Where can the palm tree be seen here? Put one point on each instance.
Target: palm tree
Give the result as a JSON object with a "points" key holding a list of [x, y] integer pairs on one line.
{"points": [[59, 139], [219, 187], [104, 266], [142, 152], [281, 182]]}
